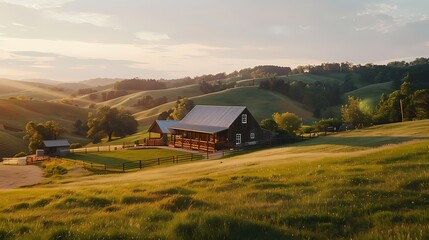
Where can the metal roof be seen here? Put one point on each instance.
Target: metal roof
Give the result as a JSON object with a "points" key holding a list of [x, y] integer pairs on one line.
{"points": [[199, 128], [209, 119], [56, 143], [164, 125]]}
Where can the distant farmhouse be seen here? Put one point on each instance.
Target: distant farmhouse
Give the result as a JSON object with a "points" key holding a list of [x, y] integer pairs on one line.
{"points": [[209, 128], [56, 147]]}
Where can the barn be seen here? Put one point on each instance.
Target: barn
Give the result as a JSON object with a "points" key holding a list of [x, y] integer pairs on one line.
{"points": [[211, 128], [56, 147]]}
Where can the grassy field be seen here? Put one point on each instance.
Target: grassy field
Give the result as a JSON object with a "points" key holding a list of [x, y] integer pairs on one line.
{"points": [[376, 193], [118, 157]]}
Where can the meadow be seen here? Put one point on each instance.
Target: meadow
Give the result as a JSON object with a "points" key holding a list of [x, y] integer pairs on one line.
{"points": [[120, 156], [294, 191]]}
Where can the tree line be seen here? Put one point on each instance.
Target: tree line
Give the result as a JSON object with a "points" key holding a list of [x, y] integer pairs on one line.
{"points": [[137, 84], [404, 104], [148, 102]]}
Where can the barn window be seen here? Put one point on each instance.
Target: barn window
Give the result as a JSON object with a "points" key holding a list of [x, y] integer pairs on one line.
{"points": [[238, 138], [252, 135], [243, 118]]}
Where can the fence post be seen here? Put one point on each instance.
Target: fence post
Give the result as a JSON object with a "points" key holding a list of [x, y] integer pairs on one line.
{"points": [[173, 159], [105, 168], [109, 148], [158, 161], [192, 156], [223, 153], [98, 148], [207, 154], [140, 164], [123, 167], [86, 150]]}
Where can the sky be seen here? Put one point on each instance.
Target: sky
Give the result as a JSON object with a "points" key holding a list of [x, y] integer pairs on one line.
{"points": [[71, 40]]}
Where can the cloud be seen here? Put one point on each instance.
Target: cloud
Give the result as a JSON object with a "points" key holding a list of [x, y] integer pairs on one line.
{"points": [[380, 8], [385, 18], [38, 4], [18, 24], [100, 20], [152, 36]]}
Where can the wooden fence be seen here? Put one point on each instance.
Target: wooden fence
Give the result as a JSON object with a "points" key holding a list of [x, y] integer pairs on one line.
{"points": [[140, 164]]}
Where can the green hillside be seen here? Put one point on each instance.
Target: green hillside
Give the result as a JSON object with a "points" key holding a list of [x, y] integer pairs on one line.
{"points": [[16, 113], [292, 192], [371, 94], [309, 78], [172, 94], [38, 91], [261, 103], [11, 143]]}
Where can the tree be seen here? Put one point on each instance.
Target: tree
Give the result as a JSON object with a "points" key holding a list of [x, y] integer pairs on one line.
{"points": [[352, 113], [35, 134], [269, 124], [183, 106], [323, 124], [110, 121], [420, 101], [288, 121]]}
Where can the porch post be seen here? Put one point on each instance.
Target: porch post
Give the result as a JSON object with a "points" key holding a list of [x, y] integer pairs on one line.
{"points": [[199, 140], [208, 139]]}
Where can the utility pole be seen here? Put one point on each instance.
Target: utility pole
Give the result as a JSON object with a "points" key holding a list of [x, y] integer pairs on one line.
{"points": [[402, 110]]}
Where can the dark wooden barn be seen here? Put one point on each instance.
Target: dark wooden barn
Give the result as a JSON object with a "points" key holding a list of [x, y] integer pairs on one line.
{"points": [[56, 147], [210, 128]]}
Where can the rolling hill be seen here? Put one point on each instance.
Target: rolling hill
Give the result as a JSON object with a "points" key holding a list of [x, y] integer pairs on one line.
{"points": [[16, 113], [30, 90], [309, 78], [286, 192], [262, 104], [370, 94]]}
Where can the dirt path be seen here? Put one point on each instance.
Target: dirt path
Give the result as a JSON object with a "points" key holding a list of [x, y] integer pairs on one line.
{"points": [[18, 176]]}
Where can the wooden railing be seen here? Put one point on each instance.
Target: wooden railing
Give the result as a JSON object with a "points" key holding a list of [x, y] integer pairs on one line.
{"points": [[193, 144], [155, 142]]}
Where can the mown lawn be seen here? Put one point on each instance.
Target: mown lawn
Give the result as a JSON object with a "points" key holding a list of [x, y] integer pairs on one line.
{"points": [[379, 195], [118, 157]]}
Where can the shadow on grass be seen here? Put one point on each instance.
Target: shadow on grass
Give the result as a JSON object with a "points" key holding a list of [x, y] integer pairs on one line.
{"points": [[208, 226], [369, 141]]}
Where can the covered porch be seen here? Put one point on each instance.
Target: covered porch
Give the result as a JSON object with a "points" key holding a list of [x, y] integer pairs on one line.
{"points": [[159, 134], [200, 141]]}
